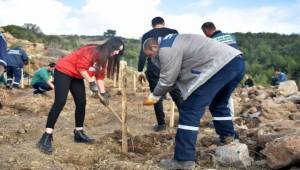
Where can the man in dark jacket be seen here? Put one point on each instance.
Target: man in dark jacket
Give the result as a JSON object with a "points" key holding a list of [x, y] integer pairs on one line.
{"points": [[16, 58], [152, 73]]}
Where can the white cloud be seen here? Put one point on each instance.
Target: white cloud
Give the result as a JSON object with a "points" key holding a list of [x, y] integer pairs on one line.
{"points": [[131, 18], [50, 15]]}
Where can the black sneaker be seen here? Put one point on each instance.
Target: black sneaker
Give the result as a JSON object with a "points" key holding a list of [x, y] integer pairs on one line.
{"points": [[158, 128], [174, 164], [45, 143], [81, 137], [8, 86]]}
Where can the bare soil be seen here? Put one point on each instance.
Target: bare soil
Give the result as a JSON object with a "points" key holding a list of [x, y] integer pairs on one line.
{"points": [[23, 117]]}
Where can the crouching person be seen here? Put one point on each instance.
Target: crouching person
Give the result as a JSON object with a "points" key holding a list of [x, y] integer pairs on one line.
{"points": [[206, 72], [41, 80], [69, 75], [16, 58]]}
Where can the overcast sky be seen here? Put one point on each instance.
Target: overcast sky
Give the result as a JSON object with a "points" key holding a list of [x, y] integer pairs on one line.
{"points": [[131, 18]]}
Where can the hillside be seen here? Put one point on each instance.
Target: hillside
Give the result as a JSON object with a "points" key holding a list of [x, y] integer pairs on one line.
{"points": [[262, 51]]}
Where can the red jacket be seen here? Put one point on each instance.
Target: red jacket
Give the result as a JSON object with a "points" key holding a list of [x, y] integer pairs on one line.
{"points": [[79, 60]]}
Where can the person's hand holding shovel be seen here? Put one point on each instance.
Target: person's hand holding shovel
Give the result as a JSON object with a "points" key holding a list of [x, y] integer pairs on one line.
{"points": [[104, 99]]}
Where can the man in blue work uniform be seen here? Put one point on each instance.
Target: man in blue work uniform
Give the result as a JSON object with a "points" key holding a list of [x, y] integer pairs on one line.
{"points": [[16, 58], [210, 30], [3, 49], [206, 71], [152, 73]]}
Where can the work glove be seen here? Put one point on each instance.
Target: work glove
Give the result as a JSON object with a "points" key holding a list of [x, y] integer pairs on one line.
{"points": [[141, 77], [104, 98], [151, 99], [93, 87]]}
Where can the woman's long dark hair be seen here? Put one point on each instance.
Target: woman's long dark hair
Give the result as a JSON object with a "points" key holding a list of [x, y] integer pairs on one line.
{"points": [[102, 56]]}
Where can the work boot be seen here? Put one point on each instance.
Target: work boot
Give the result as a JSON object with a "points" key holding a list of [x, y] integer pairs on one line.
{"points": [[225, 140], [174, 164], [158, 128], [45, 143], [80, 137], [8, 86]]}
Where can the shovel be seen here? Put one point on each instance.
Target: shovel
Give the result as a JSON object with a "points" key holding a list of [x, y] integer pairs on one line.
{"points": [[116, 115]]}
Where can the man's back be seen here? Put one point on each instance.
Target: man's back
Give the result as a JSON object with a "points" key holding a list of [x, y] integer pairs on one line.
{"points": [[225, 38], [16, 57], [192, 59]]}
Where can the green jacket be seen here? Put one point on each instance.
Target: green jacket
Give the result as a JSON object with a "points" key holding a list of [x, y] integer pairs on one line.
{"points": [[42, 75]]}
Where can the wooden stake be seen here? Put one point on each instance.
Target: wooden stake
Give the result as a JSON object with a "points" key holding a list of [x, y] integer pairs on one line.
{"points": [[120, 79], [124, 111], [171, 123], [22, 78], [134, 82], [115, 80], [28, 71]]}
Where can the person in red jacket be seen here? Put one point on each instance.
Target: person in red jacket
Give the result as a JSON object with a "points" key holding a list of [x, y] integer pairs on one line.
{"points": [[69, 75]]}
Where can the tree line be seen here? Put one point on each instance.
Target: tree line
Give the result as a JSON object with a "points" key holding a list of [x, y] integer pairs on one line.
{"points": [[34, 34], [265, 51], [262, 51]]}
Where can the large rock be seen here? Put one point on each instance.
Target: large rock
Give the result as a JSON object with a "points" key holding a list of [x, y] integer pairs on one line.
{"points": [[235, 154], [283, 151], [294, 98], [287, 88], [271, 131], [276, 111]]}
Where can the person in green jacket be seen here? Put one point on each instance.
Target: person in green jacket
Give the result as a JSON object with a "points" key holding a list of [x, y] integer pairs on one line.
{"points": [[41, 81]]}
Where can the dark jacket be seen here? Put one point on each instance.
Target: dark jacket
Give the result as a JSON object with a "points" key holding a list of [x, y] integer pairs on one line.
{"points": [[154, 33], [16, 57], [3, 48]]}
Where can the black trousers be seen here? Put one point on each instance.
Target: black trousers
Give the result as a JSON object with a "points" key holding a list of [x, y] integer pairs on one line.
{"points": [[152, 74], [63, 83], [41, 87]]}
